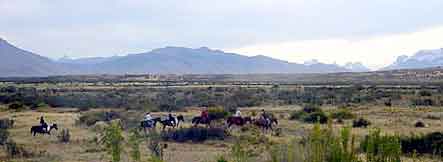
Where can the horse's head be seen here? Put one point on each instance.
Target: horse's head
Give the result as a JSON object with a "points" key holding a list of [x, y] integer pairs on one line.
{"points": [[54, 126], [274, 120]]}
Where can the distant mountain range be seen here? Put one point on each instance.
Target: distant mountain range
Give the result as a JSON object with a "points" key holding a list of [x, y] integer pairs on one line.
{"points": [[168, 60], [180, 60], [421, 59]]}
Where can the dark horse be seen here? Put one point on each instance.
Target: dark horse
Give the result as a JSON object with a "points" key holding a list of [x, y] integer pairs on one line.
{"points": [[264, 124], [40, 129], [149, 124], [200, 120], [240, 121], [175, 122]]}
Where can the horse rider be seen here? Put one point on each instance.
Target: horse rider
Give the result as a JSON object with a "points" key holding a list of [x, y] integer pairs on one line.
{"points": [[205, 114], [265, 116], [171, 118], [237, 113], [148, 118], [43, 124]]}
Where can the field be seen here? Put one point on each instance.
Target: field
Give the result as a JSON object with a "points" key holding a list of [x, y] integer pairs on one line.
{"points": [[393, 109]]}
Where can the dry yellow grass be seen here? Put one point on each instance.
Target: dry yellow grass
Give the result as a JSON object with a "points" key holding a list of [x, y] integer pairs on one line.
{"points": [[81, 148]]}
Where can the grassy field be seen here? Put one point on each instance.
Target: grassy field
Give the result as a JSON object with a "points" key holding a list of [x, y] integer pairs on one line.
{"points": [[84, 147]]}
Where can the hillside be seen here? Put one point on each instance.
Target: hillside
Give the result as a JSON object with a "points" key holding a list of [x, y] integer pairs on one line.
{"points": [[17, 62]]}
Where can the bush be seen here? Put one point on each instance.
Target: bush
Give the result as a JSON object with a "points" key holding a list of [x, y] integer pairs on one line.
{"points": [[315, 117], [90, 118], [360, 123], [194, 134], [113, 139], [4, 135], [381, 148], [343, 114], [15, 150], [310, 108], [218, 113], [298, 115], [6, 123], [431, 143], [16, 106], [64, 136], [420, 124]]}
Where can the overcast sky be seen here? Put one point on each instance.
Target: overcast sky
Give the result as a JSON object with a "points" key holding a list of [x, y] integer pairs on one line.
{"points": [[374, 32]]}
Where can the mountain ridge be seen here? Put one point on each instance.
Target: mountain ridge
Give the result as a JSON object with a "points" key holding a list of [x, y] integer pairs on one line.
{"points": [[167, 60]]}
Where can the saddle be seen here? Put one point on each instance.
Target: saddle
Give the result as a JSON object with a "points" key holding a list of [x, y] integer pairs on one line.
{"points": [[148, 123]]}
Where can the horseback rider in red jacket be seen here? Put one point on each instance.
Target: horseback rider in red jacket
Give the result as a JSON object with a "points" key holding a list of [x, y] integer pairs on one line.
{"points": [[205, 114]]}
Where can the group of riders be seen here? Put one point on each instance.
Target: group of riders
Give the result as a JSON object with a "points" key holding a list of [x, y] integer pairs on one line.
{"points": [[264, 116]]}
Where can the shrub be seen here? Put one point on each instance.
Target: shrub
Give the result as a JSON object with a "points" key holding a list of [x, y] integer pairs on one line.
{"points": [[155, 146], [6, 123], [310, 108], [315, 117], [134, 141], [420, 124], [298, 115], [112, 140], [15, 150], [358, 123], [431, 143], [342, 114], [90, 118], [321, 145], [16, 106], [194, 134], [221, 159], [381, 148], [4, 135], [64, 136], [218, 113]]}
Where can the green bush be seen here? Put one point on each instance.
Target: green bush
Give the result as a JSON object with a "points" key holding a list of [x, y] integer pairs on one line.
{"points": [[113, 140], [431, 143], [315, 117], [381, 148], [361, 122], [4, 135], [298, 115], [310, 108], [218, 112], [342, 114], [16, 106], [90, 118], [195, 134], [6, 123]]}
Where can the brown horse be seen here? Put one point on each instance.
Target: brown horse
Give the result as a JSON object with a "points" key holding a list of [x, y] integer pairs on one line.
{"points": [[266, 124], [240, 121], [200, 120]]}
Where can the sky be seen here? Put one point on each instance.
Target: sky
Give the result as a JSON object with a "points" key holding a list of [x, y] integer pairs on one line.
{"points": [[373, 32]]}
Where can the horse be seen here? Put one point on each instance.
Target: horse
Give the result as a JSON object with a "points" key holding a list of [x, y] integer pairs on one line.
{"points": [[200, 120], [240, 121], [40, 129], [264, 124], [149, 124], [172, 123]]}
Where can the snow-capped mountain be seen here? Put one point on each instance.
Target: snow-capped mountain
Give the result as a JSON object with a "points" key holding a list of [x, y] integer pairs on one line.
{"points": [[421, 59]]}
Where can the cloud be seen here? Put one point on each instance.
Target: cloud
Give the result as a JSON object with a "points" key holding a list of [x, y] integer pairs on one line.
{"points": [[375, 52], [107, 27]]}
